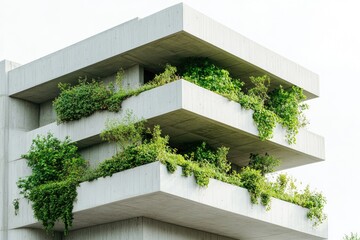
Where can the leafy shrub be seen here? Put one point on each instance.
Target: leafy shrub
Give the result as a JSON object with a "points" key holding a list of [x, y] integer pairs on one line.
{"points": [[169, 75], [253, 181], [352, 236], [87, 97], [129, 131], [265, 164], [287, 105], [82, 100], [56, 169], [259, 92], [203, 72]]}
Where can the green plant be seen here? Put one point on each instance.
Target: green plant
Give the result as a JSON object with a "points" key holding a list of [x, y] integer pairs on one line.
{"points": [[352, 236], [206, 74], [16, 205], [259, 91], [82, 100], [265, 164], [286, 104], [169, 75], [279, 106], [253, 181], [56, 170], [87, 97], [129, 131], [265, 121]]}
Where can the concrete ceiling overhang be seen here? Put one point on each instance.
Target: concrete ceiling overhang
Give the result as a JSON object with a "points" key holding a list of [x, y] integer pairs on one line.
{"points": [[186, 38]]}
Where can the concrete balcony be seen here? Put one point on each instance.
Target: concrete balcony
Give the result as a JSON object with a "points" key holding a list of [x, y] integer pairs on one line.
{"points": [[164, 37], [151, 191], [189, 113]]}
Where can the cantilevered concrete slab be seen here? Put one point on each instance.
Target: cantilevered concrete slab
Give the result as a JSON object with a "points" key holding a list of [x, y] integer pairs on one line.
{"points": [[164, 37], [189, 113], [152, 192]]}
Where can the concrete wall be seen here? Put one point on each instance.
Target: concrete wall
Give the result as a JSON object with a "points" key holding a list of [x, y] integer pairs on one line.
{"points": [[5, 67], [141, 229], [47, 113], [98, 153], [32, 234]]}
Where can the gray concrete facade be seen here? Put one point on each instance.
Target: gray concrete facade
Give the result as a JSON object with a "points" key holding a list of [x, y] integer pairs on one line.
{"points": [[148, 202]]}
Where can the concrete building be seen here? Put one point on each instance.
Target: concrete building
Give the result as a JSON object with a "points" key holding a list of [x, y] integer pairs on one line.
{"points": [[147, 202]]}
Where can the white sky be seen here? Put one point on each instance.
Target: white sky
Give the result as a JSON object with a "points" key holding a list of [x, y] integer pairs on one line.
{"points": [[321, 35]]}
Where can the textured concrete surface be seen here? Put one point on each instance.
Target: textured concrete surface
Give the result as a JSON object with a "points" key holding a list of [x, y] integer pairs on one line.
{"points": [[164, 37], [152, 192], [5, 67], [141, 229]]}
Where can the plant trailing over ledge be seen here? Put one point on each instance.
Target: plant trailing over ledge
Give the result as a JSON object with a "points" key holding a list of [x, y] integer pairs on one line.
{"points": [[278, 106], [56, 170], [287, 105], [202, 161]]}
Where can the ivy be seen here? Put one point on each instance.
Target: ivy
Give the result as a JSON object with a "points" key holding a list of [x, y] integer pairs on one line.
{"points": [[287, 105], [265, 121], [56, 170], [278, 106]]}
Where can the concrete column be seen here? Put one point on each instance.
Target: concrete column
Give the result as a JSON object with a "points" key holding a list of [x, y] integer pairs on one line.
{"points": [[16, 118], [5, 66]]}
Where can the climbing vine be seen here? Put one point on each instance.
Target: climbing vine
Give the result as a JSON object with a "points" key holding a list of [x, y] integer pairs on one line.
{"points": [[56, 170]]}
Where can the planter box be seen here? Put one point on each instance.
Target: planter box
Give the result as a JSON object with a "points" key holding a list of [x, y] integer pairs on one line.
{"points": [[151, 191]]}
